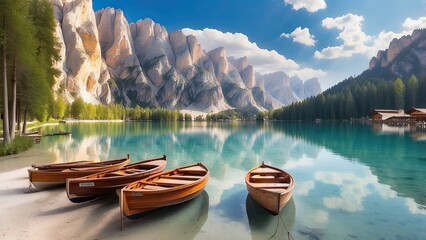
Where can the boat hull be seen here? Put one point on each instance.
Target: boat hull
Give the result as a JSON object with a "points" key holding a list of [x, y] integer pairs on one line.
{"points": [[272, 201], [101, 184], [47, 178], [270, 187], [136, 200]]}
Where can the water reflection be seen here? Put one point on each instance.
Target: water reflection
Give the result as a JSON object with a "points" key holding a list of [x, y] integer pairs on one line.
{"points": [[242, 146], [345, 172], [264, 225], [383, 128], [396, 160], [182, 221]]}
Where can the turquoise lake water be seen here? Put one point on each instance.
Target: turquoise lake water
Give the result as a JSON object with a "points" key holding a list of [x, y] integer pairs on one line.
{"points": [[353, 180]]}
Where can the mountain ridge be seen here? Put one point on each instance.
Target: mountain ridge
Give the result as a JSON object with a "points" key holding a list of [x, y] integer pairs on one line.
{"points": [[106, 60], [405, 56]]}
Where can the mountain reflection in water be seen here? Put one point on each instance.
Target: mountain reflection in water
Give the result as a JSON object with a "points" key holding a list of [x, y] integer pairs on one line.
{"points": [[345, 172]]}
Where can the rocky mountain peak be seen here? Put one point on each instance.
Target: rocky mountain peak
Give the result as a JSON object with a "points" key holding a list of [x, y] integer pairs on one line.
{"points": [[105, 59], [218, 57], [405, 56]]}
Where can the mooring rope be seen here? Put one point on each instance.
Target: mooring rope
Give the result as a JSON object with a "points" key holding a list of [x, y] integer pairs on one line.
{"points": [[289, 236], [276, 229]]}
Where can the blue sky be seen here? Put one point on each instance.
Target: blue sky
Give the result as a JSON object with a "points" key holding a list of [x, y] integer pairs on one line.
{"points": [[328, 39]]}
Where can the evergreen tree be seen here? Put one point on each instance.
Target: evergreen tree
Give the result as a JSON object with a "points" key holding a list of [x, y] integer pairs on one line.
{"points": [[399, 91], [16, 38], [39, 86], [412, 87]]}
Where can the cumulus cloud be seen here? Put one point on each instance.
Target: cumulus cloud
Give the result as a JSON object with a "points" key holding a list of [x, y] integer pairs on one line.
{"points": [[263, 60], [414, 208], [309, 5], [355, 41], [301, 35], [411, 24], [303, 188]]}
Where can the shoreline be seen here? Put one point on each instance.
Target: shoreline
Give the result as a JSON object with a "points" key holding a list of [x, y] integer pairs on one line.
{"points": [[33, 214], [48, 214]]}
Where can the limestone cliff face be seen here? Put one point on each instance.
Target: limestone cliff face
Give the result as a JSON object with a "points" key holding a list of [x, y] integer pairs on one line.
{"points": [[105, 59], [84, 72], [129, 84], [405, 56]]}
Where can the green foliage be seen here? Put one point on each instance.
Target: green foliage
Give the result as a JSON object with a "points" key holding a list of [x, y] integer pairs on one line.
{"points": [[412, 88], [81, 110], [233, 114], [399, 90], [59, 108], [29, 44], [77, 107], [19, 144], [357, 98], [199, 118], [160, 114]]}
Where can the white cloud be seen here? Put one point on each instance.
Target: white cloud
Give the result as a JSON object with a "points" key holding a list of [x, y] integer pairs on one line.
{"points": [[301, 36], [414, 208], [263, 60], [302, 162], [411, 24], [307, 73], [309, 5], [355, 41], [303, 188]]}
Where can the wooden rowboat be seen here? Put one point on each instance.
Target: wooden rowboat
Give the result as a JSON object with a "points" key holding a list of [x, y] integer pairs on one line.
{"points": [[43, 177], [100, 184], [270, 187], [66, 165], [163, 189]]}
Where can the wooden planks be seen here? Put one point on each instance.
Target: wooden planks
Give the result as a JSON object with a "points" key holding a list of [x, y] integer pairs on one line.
{"points": [[270, 185], [172, 182], [265, 171], [154, 187], [183, 177]]}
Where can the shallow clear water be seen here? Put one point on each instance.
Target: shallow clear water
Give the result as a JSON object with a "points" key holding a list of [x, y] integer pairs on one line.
{"points": [[353, 181]]}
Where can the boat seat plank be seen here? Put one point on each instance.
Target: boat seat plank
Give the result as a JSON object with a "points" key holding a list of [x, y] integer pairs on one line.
{"points": [[278, 190], [172, 182], [154, 187], [270, 185], [193, 169], [267, 179], [183, 177], [117, 173], [262, 177], [265, 171]]}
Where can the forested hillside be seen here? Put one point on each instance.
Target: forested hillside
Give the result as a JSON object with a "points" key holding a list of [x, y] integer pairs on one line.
{"points": [[358, 97], [395, 79]]}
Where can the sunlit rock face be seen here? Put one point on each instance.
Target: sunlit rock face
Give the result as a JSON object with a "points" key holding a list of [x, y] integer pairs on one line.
{"points": [[404, 57], [129, 84], [82, 64], [105, 59]]}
